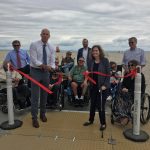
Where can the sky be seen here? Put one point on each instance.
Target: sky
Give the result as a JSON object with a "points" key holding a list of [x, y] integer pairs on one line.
{"points": [[109, 23]]}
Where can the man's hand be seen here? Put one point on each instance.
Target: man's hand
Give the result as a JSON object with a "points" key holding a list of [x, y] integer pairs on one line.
{"points": [[45, 67], [49, 68]]}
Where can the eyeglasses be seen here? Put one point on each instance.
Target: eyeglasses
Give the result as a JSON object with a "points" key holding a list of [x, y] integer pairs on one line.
{"points": [[81, 60], [131, 42], [16, 45]]}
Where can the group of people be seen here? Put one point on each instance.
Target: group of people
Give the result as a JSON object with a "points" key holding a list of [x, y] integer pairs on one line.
{"points": [[42, 61]]}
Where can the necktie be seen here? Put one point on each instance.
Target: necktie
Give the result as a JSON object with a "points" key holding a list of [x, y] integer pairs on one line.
{"points": [[18, 59], [44, 55]]}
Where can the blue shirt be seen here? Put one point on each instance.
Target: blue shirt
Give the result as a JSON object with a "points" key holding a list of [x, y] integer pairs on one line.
{"points": [[136, 54], [12, 57]]}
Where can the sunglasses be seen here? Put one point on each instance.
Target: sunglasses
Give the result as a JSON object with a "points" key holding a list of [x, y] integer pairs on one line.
{"points": [[131, 65], [113, 66], [16, 45]]}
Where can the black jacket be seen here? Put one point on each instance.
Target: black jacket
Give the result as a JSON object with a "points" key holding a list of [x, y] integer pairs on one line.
{"points": [[105, 69], [129, 84], [88, 59]]}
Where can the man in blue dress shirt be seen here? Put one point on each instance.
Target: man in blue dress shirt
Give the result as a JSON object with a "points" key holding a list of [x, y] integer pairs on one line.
{"points": [[18, 58], [135, 53]]}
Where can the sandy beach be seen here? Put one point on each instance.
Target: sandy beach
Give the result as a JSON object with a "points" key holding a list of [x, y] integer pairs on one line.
{"points": [[112, 56]]}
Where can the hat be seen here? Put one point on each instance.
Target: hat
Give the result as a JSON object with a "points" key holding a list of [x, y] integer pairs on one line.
{"points": [[69, 52]]}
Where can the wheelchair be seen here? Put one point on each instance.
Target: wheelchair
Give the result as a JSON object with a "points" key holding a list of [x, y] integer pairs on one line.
{"points": [[122, 107], [71, 98], [56, 99], [21, 97]]}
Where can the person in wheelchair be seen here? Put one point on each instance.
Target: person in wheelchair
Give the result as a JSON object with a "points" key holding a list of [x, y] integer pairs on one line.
{"points": [[67, 63], [128, 83], [121, 108], [54, 85], [114, 79], [21, 96], [78, 80]]}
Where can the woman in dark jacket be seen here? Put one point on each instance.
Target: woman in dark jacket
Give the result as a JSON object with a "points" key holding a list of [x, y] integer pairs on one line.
{"points": [[128, 83], [99, 91]]}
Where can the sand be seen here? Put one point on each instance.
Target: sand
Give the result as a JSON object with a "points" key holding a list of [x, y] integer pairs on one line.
{"points": [[112, 56]]}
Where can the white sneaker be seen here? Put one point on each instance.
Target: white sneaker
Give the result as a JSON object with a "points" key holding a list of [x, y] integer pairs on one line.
{"points": [[109, 98], [82, 97]]}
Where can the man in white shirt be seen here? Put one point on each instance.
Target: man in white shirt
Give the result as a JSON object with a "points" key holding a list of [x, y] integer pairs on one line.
{"points": [[42, 60]]}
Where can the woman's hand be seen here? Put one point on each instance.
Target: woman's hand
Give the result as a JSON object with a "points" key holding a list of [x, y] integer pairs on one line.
{"points": [[103, 87]]}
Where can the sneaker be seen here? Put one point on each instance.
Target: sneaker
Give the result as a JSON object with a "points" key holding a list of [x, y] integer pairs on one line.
{"points": [[81, 98]]}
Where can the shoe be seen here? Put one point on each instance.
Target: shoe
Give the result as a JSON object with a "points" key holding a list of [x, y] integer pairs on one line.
{"points": [[77, 99], [35, 123], [43, 118], [81, 99], [102, 127], [88, 123]]}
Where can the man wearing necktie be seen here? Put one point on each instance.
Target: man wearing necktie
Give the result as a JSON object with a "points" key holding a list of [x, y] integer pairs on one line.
{"points": [[18, 58], [42, 56]]}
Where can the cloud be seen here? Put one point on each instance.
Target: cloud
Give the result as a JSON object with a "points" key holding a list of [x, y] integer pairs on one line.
{"points": [[109, 23]]}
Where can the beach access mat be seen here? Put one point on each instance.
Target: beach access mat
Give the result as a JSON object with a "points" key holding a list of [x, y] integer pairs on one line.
{"points": [[65, 131]]}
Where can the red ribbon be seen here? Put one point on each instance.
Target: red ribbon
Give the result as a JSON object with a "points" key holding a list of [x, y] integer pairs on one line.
{"points": [[86, 74], [33, 80], [60, 78]]}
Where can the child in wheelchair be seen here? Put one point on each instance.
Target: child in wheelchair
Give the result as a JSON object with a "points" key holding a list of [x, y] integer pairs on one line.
{"points": [[78, 81], [54, 86], [114, 80]]}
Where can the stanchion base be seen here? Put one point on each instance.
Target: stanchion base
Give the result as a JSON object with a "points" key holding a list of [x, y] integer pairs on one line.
{"points": [[6, 126], [137, 138]]}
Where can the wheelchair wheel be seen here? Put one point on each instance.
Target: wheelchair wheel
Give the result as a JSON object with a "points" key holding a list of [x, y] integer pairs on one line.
{"points": [[145, 109], [5, 109], [70, 99], [112, 119], [60, 96]]}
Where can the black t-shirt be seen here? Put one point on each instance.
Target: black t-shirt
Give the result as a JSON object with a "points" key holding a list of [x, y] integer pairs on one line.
{"points": [[95, 76]]}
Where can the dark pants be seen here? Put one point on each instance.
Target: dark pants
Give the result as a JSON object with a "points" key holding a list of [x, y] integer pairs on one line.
{"points": [[98, 102], [26, 70], [53, 98], [37, 92]]}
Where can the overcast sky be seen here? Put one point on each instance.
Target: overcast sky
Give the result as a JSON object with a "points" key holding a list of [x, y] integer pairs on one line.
{"points": [[108, 23]]}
